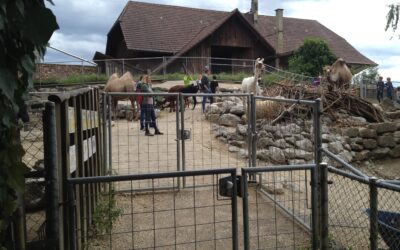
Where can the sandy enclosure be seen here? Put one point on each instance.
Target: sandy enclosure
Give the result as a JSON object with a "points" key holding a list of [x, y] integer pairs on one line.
{"points": [[198, 219]]}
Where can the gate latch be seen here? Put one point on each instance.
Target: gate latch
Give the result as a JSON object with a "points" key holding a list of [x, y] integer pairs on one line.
{"points": [[226, 186], [184, 134]]}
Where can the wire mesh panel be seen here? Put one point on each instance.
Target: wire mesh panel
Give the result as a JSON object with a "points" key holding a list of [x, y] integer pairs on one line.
{"points": [[271, 211], [388, 218], [348, 221], [191, 218], [218, 136]]}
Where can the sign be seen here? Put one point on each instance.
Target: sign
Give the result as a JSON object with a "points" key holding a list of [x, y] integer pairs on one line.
{"points": [[89, 148], [90, 119]]}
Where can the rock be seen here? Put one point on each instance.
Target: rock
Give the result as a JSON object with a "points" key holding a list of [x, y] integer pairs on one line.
{"points": [[221, 130], [386, 141], [356, 147], [281, 143], [239, 144], [276, 188], [241, 129], [213, 109], [291, 129], [347, 146], [229, 120], [393, 115], [237, 110], [296, 162], [214, 118], [291, 140], [327, 138], [346, 156], [335, 147], [121, 113], [305, 144], [350, 132], [387, 104], [298, 154], [384, 127], [243, 153], [130, 115], [233, 149], [234, 136], [356, 140], [370, 143], [357, 120], [273, 154], [380, 153], [157, 112], [361, 156], [395, 152], [265, 142], [367, 133], [305, 135], [226, 106]]}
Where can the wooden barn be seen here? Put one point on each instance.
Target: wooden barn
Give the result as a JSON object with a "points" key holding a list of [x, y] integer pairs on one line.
{"points": [[168, 33]]}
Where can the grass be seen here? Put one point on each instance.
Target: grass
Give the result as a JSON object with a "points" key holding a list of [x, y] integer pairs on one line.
{"points": [[267, 79], [73, 79]]}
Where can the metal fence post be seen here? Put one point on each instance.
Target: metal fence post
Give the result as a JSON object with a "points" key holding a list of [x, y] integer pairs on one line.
{"points": [[104, 131], [109, 102], [71, 209], [324, 223], [181, 108], [164, 67], [123, 66], [317, 160], [314, 208], [235, 243], [245, 203], [373, 219], [253, 132], [52, 187]]}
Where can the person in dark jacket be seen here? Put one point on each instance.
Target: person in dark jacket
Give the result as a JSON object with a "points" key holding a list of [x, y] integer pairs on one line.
{"points": [[380, 86], [148, 106], [213, 87], [205, 88], [389, 88]]}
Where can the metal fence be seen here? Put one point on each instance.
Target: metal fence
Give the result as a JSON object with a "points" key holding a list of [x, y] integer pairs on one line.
{"points": [[191, 218]]}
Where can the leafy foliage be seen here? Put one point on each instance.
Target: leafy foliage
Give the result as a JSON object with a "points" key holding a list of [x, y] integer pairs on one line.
{"points": [[25, 28], [311, 57], [368, 76], [392, 17]]}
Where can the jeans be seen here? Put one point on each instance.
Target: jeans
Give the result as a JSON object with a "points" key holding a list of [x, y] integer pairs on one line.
{"points": [[150, 116], [142, 117], [203, 103]]}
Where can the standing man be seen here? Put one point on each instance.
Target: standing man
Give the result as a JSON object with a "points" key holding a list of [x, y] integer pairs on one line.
{"points": [[389, 88], [214, 87], [205, 88], [148, 106], [380, 85]]}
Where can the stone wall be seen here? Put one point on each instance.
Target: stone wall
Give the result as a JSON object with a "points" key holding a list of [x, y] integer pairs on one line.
{"points": [[46, 71], [292, 143]]}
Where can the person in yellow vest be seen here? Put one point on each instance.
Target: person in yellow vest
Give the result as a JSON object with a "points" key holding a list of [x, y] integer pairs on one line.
{"points": [[187, 79]]}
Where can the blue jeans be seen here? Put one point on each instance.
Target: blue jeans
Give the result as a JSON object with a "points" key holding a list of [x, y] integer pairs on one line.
{"points": [[203, 103], [149, 116], [142, 117]]}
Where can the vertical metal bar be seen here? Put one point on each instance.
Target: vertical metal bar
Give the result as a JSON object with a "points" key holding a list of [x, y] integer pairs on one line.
{"points": [[235, 241], [104, 127], [178, 146], [253, 132], [181, 108], [245, 204], [71, 226], [51, 170], [324, 206], [317, 157], [109, 101], [314, 208], [123, 66], [164, 67], [373, 219], [249, 133]]}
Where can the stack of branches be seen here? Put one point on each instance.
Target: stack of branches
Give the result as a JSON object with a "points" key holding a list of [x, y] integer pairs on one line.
{"points": [[333, 101]]}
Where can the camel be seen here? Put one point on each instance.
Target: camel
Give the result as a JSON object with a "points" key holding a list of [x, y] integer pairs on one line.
{"points": [[338, 75], [181, 89], [124, 84]]}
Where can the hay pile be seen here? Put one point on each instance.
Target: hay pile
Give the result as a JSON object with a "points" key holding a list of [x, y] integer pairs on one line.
{"points": [[333, 101]]}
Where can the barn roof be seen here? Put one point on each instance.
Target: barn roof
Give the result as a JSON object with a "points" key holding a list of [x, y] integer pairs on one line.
{"points": [[173, 29]]}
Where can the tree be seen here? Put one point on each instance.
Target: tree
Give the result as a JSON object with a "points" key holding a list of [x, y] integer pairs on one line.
{"points": [[392, 17], [311, 57], [25, 29], [367, 76]]}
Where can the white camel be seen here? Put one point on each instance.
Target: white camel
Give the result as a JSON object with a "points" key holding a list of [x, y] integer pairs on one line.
{"points": [[250, 84]]}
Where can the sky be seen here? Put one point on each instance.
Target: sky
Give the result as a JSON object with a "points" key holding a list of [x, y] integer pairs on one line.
{"points": [[84, 24]]}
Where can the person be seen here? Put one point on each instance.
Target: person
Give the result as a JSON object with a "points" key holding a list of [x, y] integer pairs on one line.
{"points": [[187, 79], [379, 89], [389, 88], [398, 95], [205, 88], [139, 100], [148, 106], [213, 87]]}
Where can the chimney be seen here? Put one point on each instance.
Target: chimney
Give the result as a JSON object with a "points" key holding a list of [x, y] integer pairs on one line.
{"points": [[279, 26], [254, 10]]}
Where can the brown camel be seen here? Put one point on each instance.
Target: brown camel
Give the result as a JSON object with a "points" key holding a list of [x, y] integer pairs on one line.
{"points": [[338, 75], [124, 84]]}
